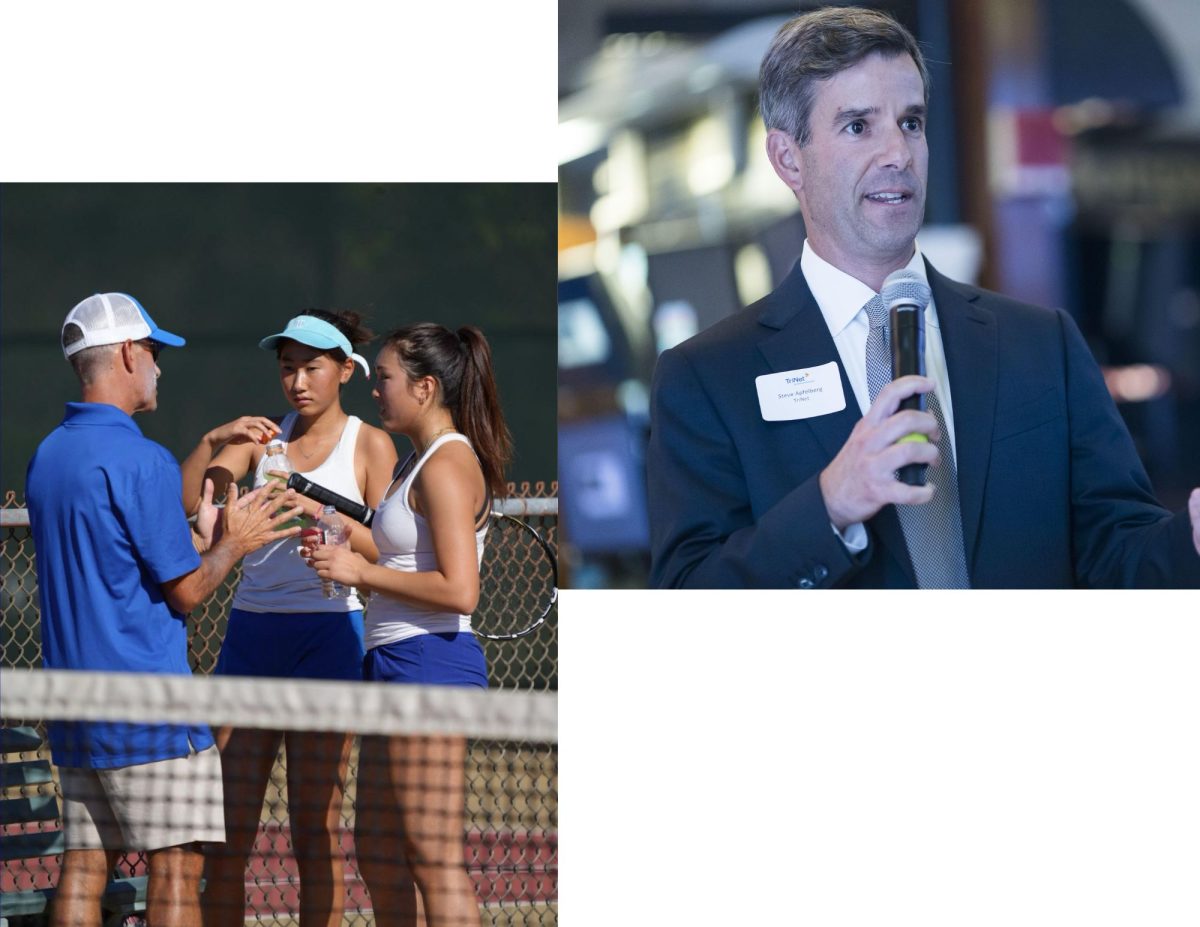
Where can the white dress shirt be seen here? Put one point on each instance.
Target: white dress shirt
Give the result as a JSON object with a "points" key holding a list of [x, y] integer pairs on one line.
{"points": [[842, 300]]}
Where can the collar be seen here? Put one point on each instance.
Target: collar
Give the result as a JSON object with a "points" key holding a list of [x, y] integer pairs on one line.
{"points": [[81, 414], [839, 296]]}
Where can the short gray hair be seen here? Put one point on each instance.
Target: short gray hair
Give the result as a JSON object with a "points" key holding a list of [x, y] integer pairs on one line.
{"points": [[89, 363], [816, 46]]}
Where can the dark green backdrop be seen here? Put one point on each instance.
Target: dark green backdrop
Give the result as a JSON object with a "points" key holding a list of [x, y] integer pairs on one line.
{"points": [[226, 264]]}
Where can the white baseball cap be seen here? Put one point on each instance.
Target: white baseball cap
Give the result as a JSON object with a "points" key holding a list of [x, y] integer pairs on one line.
{"points": [[110, 318]]}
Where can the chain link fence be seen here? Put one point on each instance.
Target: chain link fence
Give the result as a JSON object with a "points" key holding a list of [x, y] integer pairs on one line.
{"points": [[512, 801]]}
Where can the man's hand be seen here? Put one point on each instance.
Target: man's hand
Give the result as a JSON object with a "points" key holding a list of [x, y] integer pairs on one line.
{"points": [[254, 519], [861, 479], [206, 519], [256, 429], [247, 523], [1194, 513]]}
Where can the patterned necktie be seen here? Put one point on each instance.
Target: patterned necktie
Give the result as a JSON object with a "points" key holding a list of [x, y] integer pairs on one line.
{"points": [[932, 532]]}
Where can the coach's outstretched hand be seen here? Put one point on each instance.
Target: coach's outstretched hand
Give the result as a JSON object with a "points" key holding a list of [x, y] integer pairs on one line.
{"points": [[255, 519], [247, 523]]}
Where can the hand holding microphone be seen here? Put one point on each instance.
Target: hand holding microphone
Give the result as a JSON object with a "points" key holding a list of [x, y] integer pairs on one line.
{"points": [[896, 435], [861, 479]]}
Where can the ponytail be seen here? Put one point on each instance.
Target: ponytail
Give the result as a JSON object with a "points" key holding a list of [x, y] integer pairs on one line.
{"points": [[479, 415], [461, 362]]}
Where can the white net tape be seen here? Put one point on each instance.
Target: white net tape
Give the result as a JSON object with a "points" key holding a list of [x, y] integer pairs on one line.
{"points": [[312, 705]]}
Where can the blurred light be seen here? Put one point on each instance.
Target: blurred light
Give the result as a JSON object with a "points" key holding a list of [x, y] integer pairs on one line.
{"points": [[634, 398], [624, 177], [603, 485], [578, 137], [674, 321], [639, 103], [582, 340], [704, 78], [654, 42], [1137, 382], [710, 159], [633, 269], [760, 187], [1094, 113], [955, 250], [607, 254], [574, 231], [752, 271], [600, 184]]}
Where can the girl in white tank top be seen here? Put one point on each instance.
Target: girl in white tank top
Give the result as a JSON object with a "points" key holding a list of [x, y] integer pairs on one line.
{"points": [[405, 543], [275, 578], [436, 387], [281, 624]]}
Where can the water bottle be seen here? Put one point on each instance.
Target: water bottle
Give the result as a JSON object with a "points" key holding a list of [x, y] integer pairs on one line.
{"points": [[337, 534], [277, 468]]}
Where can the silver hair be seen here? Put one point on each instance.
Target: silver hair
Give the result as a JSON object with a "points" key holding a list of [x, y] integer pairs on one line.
{"points": [[816, 46]]}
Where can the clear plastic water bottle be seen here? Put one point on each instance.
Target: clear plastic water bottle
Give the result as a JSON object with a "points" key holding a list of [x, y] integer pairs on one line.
{"points": [[277, 468], [337, 534]]}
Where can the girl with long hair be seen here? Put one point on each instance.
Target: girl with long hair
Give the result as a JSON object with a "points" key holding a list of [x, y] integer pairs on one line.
{"points": [[437, 388]]}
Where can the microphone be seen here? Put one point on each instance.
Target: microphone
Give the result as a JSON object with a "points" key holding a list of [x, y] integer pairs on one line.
{"points": [[355, 510], [906, 295]]}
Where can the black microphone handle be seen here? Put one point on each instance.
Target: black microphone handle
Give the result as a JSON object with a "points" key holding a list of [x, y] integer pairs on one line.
{"points": [[348, 507], [908, 358]]}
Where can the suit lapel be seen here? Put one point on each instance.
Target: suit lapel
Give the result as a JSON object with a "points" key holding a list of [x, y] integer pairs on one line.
{"points": [[969, 338], [796, 336]]}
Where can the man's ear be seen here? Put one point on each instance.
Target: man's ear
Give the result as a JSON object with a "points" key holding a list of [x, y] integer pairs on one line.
{"points": [[127, 351], [784, 154]]}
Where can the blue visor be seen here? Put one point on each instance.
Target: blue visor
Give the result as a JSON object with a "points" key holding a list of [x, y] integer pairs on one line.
{"points": [[316, 333]]}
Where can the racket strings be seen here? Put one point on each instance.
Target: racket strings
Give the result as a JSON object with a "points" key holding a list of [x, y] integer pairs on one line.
{"points": [[519, 579]]}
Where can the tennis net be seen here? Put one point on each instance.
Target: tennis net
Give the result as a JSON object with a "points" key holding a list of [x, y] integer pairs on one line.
{"points": [[381, 802]]}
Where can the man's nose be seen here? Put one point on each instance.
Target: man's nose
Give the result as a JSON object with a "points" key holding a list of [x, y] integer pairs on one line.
{"points": [[895, 149]]}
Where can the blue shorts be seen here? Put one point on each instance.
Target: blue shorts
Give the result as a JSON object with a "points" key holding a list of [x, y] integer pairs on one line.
{"points": [[300, 645], [452, 659]]}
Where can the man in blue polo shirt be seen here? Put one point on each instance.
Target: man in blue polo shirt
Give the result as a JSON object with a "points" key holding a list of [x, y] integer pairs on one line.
{"points": [[118, 571]]}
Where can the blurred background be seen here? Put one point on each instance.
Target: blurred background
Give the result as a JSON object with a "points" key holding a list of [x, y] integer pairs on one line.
{"points": [[224, 265], [1064, 146]]}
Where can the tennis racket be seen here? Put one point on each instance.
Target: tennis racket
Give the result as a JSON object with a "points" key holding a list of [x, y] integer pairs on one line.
{"points": [[518, 581]]}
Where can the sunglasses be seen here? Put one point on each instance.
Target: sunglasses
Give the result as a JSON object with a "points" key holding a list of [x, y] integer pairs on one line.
{"points": [[152, 346]]}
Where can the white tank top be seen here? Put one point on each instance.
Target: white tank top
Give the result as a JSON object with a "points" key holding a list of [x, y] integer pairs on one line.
{"points": [[275, 578], [405, 543]]}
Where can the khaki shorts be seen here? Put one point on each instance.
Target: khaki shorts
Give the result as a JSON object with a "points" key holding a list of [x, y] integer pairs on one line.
{"points": [[144, 807]]}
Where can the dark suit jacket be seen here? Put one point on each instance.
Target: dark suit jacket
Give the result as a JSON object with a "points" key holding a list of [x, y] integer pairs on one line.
{"points": [[1052, 491]]}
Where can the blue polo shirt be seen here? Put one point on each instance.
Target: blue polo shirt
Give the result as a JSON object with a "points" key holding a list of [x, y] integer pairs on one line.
{"points": [[106, 512]]}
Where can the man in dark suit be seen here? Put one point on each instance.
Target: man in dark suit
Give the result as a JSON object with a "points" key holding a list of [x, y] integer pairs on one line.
{"points": [[774, 439]]}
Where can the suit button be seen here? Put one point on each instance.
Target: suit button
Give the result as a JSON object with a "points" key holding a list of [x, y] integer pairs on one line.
{"points": [[821, 572], [805, 582]]}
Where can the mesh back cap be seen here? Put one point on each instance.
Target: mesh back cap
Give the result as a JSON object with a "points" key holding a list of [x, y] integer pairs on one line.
{"points": [[110, 318]]}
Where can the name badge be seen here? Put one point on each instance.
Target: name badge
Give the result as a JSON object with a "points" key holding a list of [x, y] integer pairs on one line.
{"points": [[803, 393]]}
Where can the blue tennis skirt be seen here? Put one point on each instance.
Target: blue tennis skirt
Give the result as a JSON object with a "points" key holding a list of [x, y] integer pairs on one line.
{"points": [[451, 659], [296, 645]]}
